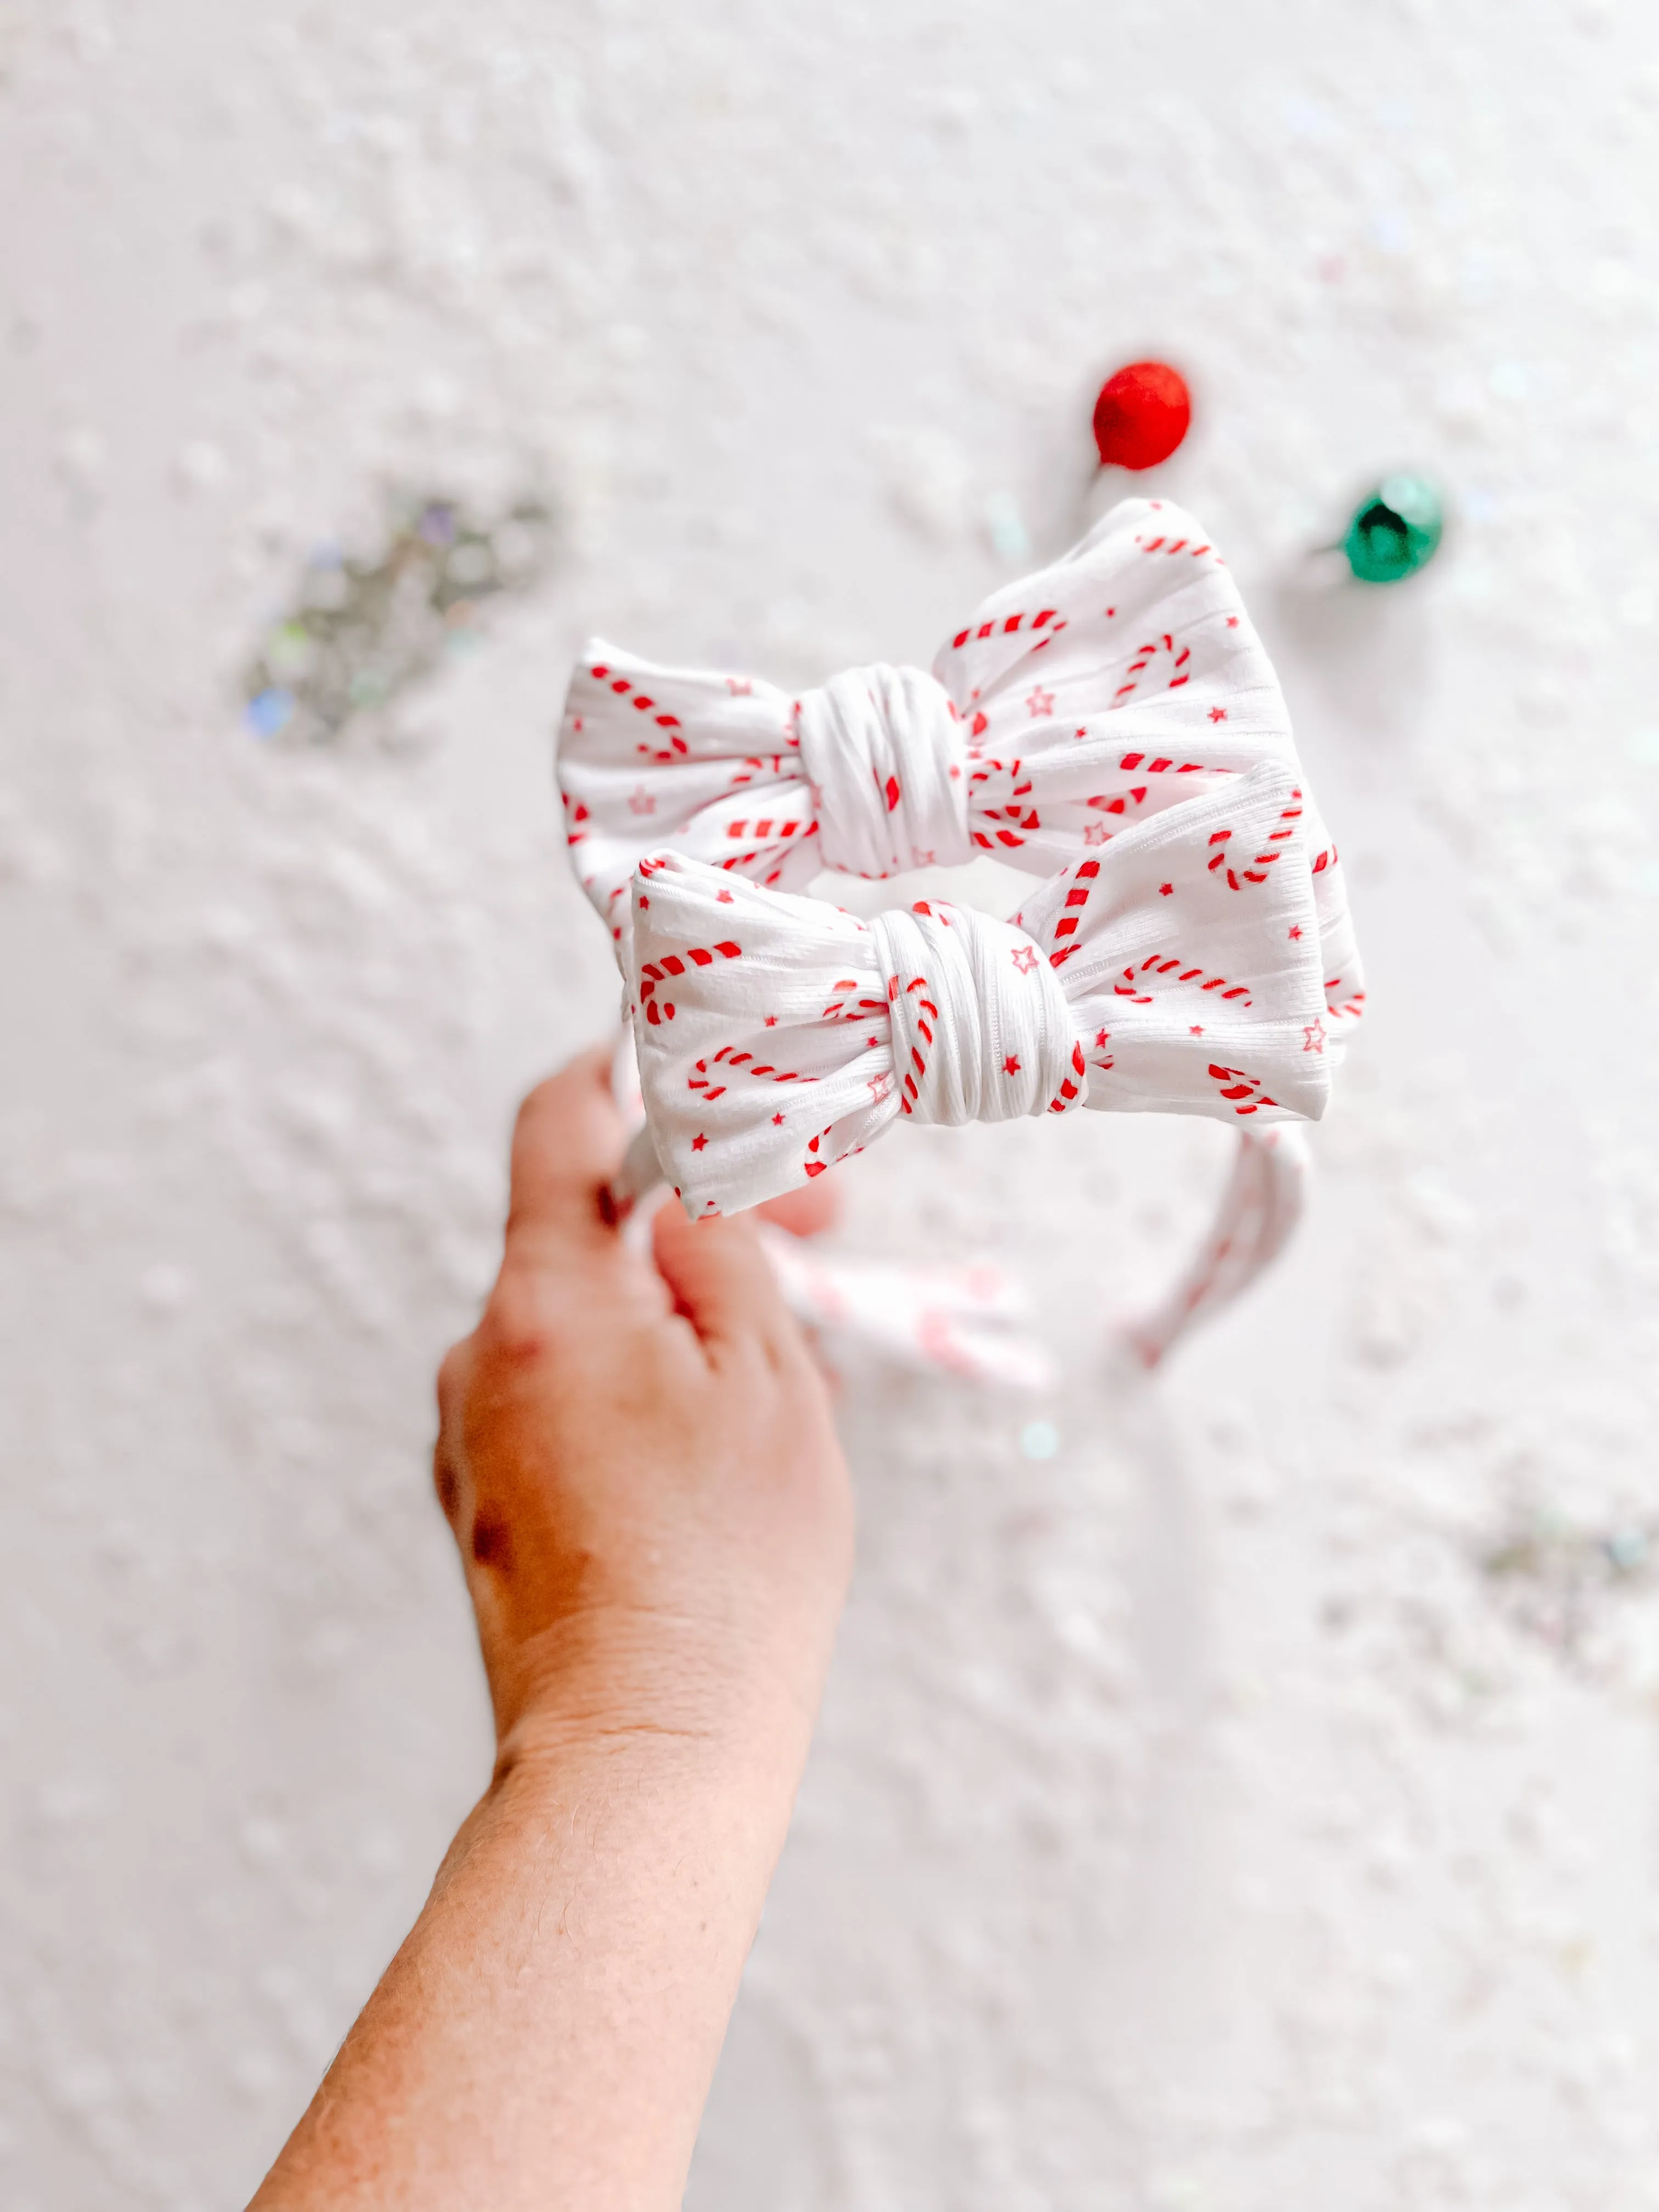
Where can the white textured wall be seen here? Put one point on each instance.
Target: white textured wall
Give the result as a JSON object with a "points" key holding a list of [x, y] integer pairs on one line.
{"points": [[1197, 1825]]}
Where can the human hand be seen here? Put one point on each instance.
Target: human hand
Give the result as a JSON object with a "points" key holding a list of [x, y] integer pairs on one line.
{"points": [[637, 1459]]}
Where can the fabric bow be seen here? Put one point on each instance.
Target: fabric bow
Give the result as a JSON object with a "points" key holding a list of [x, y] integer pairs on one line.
{"points": [[1121, 681], [777, 1035]]}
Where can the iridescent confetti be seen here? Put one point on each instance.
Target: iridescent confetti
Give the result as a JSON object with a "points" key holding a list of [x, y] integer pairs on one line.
{"points": [[363, 631], [1554, 1577]]}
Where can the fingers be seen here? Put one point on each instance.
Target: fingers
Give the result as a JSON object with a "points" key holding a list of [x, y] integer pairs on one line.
{"points": [[719, 1278], [566, 1147], [447, 1465], [807, 1212]]}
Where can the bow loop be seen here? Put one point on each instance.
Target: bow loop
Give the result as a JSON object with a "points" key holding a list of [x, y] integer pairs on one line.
{"points": [[776, 1035]]}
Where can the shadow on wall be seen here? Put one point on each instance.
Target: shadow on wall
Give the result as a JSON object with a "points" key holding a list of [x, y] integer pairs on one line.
{"points": [[1366, 648], [765, 2137]]}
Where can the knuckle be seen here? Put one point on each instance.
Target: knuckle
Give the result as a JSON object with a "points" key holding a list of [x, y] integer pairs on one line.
{"points": [[518, 1328], [452, 1377], [536, 1109], [447, 1481]]}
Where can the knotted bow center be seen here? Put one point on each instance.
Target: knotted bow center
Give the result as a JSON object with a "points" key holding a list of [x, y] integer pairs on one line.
{"points": [[981, 1030], [883, 751]]}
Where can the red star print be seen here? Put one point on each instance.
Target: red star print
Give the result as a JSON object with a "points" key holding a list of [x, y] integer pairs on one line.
{"points": [[1040, 701], [698, 1142], [880, 1085], [1197, 1030], [642, 802], [1296, 933], [740, 687], [1313, 1037], [873, 1040], [1011, 1065], [1102, 1036], [1110, 611], [1081, 731], [1025, 958], [1166, 891], [644, 902], [724, 897], [771, 1021], [1218, 714], [1232, 621], [777, 1120], [1095, 833], [576, 725]]}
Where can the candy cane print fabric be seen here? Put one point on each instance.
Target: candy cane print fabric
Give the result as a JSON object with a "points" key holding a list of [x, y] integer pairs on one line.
{"points": [[1122, 680], [970, 1321], [778, 1035], [1265, 1198]]}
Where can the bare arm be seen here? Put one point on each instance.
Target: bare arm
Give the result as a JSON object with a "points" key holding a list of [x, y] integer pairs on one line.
{"points": [[642, 1473]]}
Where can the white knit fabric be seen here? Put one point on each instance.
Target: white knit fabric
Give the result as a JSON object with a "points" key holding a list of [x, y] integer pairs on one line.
{"points": [[1263, 1201], [883, 752], [971, 1321], [978, 1033], [777, 1035], [1121, 681], [968, 1322]]}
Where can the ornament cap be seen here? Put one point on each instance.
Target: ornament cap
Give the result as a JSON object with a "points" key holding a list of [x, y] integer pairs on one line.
{"points": [[1395, 530]]}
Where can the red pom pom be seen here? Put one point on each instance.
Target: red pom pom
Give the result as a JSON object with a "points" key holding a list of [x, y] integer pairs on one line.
{"points": [[1141, 415]]}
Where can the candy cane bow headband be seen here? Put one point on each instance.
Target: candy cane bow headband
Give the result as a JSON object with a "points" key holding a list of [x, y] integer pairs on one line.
{"points": [[1123, 680], [778, 1035]]}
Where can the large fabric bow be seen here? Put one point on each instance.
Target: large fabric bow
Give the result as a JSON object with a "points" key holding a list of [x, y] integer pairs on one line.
{"points": [[1125, 679], [778, 1035]]}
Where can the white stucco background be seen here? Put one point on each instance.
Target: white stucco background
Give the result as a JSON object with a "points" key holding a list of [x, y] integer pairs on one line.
{"points": [[1200, 1822]]}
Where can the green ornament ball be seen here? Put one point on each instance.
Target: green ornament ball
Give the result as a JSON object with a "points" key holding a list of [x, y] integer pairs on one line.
{"points": [[1394, 530]]}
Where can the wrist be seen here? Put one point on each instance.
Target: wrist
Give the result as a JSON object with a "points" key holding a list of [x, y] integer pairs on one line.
{"points": [[641, 1682]]}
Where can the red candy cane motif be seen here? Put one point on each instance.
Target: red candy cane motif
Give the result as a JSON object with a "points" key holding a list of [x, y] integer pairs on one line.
{"points": [[817, 1162], [1164, 544], [1242, 1090], [1163, 763], [624, 688], [1135, 980], [766, 828], [1019, 812], [1179, 672], [1008, 625], [1076, 899], [673, 963], [926, 1013], [730, 1060], [859, 1010], [1236, 877], [1069, 1088]]}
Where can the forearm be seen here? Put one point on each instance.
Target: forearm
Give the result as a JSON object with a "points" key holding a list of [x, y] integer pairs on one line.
{"points": [[548, 2032]]}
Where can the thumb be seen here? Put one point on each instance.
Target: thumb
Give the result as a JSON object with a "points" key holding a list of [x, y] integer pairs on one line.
{"points": [[719, 1278]]}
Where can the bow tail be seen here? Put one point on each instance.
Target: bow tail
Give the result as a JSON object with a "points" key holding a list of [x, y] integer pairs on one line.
{"points": [[1189, 952], [763, 1034], [709, 763]]}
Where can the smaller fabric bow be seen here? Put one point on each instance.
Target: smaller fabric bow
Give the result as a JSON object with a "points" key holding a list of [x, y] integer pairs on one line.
{"points": [[1123, 679], [778, 1035]]}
